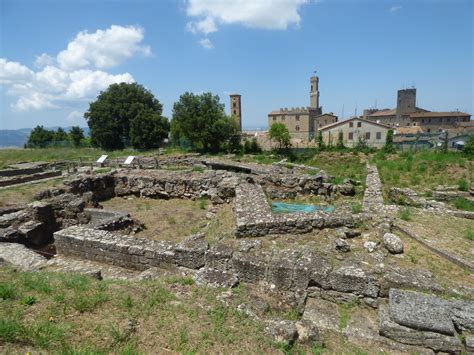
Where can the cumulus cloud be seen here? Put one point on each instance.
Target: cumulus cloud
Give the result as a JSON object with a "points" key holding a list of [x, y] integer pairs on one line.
{"points": [[73, 76], [103, 49], [395, 8], [264, 14], [206, 43], [43, 60], [74, 116]]}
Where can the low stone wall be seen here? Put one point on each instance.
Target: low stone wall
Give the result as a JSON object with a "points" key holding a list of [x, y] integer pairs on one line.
{"points": [[254, 217], [373, 199], [16, 172], [20, 179]]}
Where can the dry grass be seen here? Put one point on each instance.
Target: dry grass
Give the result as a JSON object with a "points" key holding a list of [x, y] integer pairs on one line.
{"points": [[15, 195], [164, 219], [69, 313]]}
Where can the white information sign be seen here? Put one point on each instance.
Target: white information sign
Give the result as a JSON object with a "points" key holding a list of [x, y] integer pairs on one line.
{"points": [[129, 160], [102, 159]]}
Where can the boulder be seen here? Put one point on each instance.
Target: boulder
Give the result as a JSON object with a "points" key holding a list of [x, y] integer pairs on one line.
{"points": [[307, 331], [36, 233], [393, 243], [191, 252], [421, 312], [355, 280], [11, 235], [410, 278], [370, 246], [342, 246], [216, 278], [281, 331]]}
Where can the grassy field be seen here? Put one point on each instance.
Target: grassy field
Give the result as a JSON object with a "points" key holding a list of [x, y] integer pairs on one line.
{"points": [[73, 314], [423, 170], [17, 195]]}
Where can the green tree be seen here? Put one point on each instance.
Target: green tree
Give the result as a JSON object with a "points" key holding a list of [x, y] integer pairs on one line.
{"points": [[40, 138], [110, 116], [388, 147], [469, 147], [279, 133], [320, 140], [148, 130], [76, 135], [201, 120], [59, 136]]}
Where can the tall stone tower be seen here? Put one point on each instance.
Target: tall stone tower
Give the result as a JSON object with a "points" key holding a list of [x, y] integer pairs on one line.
{"points": [[406, 101], [314, 93], [236, 109]]}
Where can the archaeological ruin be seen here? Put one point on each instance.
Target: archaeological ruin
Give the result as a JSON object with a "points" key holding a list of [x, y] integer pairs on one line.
{"points": [[320, 259]]}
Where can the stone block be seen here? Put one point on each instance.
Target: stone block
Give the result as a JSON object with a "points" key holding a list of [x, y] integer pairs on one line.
{"points": [[250, 267], [191, 252], [216, 278], [355, 280]]}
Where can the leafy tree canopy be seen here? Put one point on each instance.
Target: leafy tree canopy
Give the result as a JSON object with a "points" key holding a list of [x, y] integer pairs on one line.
{"points": [[76, 134], [201, 120], [148, 130], [40, 138], [280, 134], [111, 116]]}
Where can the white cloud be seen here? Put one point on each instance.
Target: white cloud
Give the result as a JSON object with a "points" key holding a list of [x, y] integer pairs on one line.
{"points": [[264, 14], [43, 60], [206, 43], [103, 49], [395, 8], [73, 77], [14, 72], [74, 116]]}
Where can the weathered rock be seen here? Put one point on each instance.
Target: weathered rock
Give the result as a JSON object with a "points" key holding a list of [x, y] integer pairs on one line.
{"points": [[342, 246], [36, 233], [421, 312], [249, 244], [346, 189], [11, 235], [191, 252], [409, 278], [370, 246], [250, 267], [216, 278], [281, 331], [470, 344], [311, 270], [307, 331], [21, 257], [355, 280], [405, 335], [462, 314], [218, 256], [393, 243], [280, 270]]}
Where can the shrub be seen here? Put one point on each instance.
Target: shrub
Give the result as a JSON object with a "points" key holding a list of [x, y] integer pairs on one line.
{"points": [[405, 214], [7, 291], [356, 207], [463, 185], [28, 300]]}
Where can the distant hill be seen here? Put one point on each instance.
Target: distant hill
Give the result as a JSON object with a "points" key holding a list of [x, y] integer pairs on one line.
{"points": [[18, 137]]}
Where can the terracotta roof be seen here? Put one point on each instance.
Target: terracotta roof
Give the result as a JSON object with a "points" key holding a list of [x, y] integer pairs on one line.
{"points": [[385, 112], [331, 125], [409, 130], [438, 114], [289, 112]]}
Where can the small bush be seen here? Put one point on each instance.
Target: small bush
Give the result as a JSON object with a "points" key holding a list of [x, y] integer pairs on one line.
{"points": [[405, 214], [470, 234], [10, 330], [28, 300], [356, 207], [463, 185], [202, 204], [7, 291]]}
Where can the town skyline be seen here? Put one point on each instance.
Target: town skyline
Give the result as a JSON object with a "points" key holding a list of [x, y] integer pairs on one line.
{"points": [[266, 56]]}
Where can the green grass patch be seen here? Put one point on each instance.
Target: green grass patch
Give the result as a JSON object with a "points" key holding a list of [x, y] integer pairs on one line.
{"points": [[470, 234], [464, 204], [405, 213]]}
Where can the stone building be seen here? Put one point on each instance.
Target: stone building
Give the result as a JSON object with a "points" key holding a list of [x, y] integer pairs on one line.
{"points": [[236, 109], [303, 122], [354, 130], [407, 114]]}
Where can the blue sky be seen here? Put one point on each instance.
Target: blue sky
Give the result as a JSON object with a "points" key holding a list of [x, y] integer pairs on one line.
{"points": [[56, 56]]}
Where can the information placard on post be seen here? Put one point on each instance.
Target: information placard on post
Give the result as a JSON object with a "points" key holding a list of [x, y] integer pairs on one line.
{"points": [[102, 159], [129, 160]]}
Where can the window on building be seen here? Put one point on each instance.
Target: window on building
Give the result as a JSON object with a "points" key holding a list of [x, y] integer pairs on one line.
{"points": [[378, 135], [359, 124], [367, 135], [429, 120], [234, 104], [235, 112], [414, 123], [297, 117], [351, 124], [423, 120], [297, 128], [282, 118], [351, 136], [449, 119], [428, 130], [274, 118]]}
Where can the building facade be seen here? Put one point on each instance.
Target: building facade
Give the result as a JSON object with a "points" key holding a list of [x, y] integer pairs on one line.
{"points": [[407, 114], [303, 122], [355, 130], [236, 109]]}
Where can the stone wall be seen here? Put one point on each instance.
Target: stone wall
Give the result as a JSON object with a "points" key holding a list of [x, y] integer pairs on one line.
{"points": [[254, 217], [20, 179]]}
